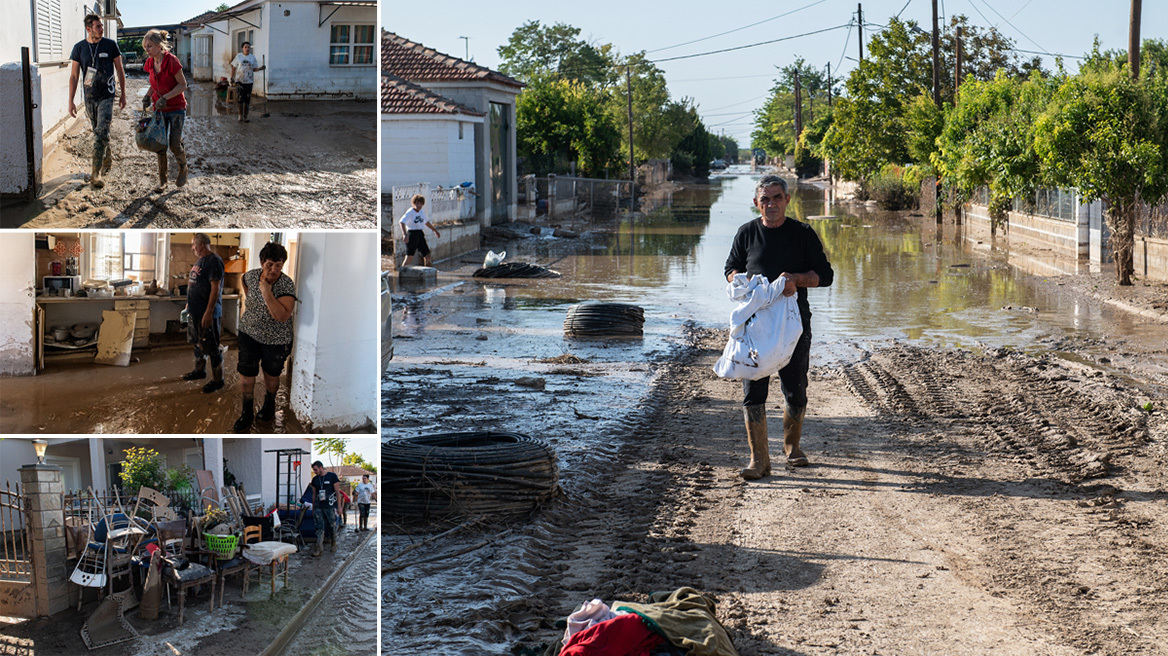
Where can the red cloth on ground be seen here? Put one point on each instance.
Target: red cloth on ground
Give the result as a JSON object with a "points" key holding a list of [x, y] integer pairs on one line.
{"points": [[162, 82], [623, 635]]}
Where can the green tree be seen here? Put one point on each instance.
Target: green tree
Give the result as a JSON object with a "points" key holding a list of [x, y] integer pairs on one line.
{"points": [[223, 7], [333, 446], [873, 125], [1153, 59], [143, 467], [1105, 135], [535, 50], [562, 121], [775, 122], [358, 460]]}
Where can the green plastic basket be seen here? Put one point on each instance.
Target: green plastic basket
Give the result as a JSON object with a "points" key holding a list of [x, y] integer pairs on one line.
{"points": [[223, 546]]}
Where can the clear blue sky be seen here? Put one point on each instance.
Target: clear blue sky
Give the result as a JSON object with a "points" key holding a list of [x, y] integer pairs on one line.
{"points": [[732, 83]]}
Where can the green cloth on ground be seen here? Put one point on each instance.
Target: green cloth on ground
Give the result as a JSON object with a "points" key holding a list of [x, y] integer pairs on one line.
{"points": [[686, 618]]}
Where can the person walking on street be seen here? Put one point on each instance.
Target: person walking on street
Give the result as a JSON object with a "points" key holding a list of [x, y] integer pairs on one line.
{"points": [[243, 70], [204, 309], [95, 60], [364, 492], [167, 87], [412, 223], [326, 488], [776, 245], [265, 333]]}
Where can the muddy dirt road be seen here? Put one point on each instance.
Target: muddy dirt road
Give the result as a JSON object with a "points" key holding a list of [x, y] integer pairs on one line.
{"points": [[310, 164], [957, 503], [986, 477]]}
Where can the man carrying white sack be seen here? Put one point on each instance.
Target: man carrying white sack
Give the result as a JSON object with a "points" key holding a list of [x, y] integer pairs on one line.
{"points": [[776, 245]]}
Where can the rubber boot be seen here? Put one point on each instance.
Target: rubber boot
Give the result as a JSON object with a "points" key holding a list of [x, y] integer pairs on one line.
{"points": [[268, 409], [162, 173], [180, 156], [107, 162], [199, 372], [756, 435], [792, 432], [95, 177], [246, 109], [216, 380], [244, 422]]}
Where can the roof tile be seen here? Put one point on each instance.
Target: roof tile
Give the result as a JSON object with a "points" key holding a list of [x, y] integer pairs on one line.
{"points": [[399, 96], [417, 63]]}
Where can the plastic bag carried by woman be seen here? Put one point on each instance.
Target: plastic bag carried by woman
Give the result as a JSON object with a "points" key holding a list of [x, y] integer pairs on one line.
{"points": [[152, 134], [764, 329]]}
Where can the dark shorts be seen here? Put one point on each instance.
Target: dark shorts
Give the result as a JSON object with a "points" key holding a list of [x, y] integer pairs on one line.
{"points": [[416, 243], [253, 354]]}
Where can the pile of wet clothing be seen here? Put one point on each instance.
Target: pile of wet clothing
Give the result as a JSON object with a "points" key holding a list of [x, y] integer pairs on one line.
{"points": [[678, 623]]}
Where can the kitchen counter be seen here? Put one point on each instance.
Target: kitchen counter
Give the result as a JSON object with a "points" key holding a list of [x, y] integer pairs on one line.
{"points": [[152, 299]]}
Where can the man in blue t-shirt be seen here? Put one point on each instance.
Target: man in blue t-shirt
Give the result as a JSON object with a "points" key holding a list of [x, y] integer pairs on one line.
{"points": [[326, 490], [95, 60], [204, 310]]}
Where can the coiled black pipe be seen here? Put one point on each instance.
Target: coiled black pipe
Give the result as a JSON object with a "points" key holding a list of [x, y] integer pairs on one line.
{"points": [[595, 319], [483, 473]]}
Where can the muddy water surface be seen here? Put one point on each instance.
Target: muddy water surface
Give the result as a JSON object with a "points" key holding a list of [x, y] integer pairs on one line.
{"points": [[473, 355]]}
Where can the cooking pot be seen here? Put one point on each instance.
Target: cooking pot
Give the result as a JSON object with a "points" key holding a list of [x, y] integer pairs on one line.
{"points": [[84, 330], [60, 333]]}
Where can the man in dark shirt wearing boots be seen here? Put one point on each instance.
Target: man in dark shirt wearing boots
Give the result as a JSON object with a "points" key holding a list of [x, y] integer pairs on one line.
{"points": [[776, 245], [205, 308]]}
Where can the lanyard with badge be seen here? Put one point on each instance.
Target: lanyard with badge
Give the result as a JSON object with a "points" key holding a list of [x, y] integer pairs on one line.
{"points": [[91, 70]]}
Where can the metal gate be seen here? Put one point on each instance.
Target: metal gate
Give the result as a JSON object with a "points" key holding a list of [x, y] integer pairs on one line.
{"points": [[14, 553]]}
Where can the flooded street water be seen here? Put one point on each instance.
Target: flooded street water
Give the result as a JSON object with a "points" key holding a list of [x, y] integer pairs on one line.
{"points": [[467, 349]]}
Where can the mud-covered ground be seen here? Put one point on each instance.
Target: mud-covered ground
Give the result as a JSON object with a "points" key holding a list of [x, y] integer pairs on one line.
{"points": [[959, 501], [297, 164]]}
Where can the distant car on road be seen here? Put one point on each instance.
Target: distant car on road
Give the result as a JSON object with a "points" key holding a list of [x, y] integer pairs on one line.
{"points": [[386, 322], [717, 165]]}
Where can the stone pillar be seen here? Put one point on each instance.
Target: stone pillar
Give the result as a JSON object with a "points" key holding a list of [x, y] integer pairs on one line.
{"points": [[97, 468], [213, 452], [44, 498]]}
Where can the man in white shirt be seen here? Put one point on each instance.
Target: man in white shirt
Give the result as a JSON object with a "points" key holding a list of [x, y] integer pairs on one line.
{"points": [[243, 69], [412, 223], [364, 492]]}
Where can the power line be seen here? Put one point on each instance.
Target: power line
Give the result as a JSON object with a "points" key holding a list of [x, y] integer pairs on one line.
{"points": [[903, 8], [737, 29], [714, 109], [733, 77], [732, 113], [752, 45], [845, 50], [991, 7]]}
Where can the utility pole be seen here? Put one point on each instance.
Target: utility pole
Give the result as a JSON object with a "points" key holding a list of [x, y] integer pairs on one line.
{"points": [[632, 160], [798, 108], [1133, 40], [957, 71], [466, 42], [936, 59], [829, 84], [860, 24]]}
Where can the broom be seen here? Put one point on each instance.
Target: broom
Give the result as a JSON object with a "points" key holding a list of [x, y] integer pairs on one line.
{"points": [[265, 65]]}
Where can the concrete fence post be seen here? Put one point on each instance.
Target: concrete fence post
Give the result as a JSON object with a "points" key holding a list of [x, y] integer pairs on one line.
{"points": [[44, 496]]}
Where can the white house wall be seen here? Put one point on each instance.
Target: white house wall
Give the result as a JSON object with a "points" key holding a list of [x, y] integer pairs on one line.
{"points": [[416, 148], [334, 372], [298, 56], [17, 303], [268, 468]]}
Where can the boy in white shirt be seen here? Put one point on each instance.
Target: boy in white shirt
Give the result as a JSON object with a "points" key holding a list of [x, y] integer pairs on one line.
{"points": [[412, 223], [243, 68]]}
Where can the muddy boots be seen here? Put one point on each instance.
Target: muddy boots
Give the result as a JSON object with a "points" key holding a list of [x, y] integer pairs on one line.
{"points": [[162, 172], [199, 372], [245, 418], [792, 431], [268, 409], [756, 434], [216, 383], [95, 177], [180, 156], [107, 162]]}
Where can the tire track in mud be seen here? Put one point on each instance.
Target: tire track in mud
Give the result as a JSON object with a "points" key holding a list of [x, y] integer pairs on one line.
{"points": [[1052, 539], [997, 403], [567, 553]]}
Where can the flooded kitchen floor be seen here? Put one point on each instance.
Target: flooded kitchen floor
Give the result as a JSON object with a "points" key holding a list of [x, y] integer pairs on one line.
{"points": [[149, 396], [299, 163], [466, 351]]}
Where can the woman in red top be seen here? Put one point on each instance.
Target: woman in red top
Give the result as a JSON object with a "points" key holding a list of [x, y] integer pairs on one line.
{"points": [[167, 84]]}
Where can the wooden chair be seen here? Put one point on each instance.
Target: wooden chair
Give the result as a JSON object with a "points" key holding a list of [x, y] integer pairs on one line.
{"points": [[193, 575], [278, 564]]}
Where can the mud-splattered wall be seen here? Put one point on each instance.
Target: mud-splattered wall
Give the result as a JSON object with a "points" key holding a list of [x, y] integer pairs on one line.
{"points": [[334, 367], [17, 304]]}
